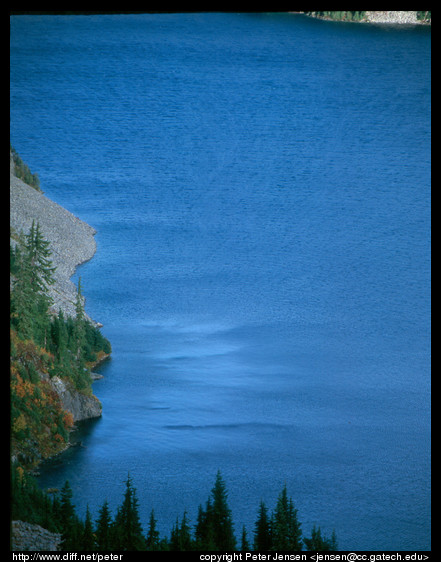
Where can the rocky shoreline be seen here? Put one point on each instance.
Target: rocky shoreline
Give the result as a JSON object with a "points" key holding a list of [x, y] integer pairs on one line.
{"points": [[406, 18], [378, 17], [72, 243]]}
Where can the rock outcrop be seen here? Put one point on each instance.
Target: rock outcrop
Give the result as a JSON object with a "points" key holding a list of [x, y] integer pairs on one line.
{"points": [[409, 18], [81, 407], [72, 240], [28, 537]]}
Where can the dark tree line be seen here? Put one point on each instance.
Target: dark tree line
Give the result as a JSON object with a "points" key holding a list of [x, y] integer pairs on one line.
{"points": [[212, 531]]}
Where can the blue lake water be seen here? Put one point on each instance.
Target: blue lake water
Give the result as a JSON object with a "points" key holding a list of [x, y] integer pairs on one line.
{"points": [[260, 187]]}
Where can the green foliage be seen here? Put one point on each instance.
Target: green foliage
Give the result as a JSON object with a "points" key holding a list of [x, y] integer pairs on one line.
{"points": [[102, 534], [262, 532], [39, 253], [318, 543], [39, 425], [88, 537], [68, 518], [224, 538], [14, 259], [29, 503], [180, 538], [44, 345], [23, 172], [74, 342], [33, 273], [214, 529], [127, 531], [425, 16], [153, 541], [204, 532], [340, 15], [286, 531], [244, 546]]}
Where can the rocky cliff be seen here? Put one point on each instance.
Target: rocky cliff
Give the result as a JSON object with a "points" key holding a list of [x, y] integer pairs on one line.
{"points": [[81, 407], [72, 240], [72, 243]]}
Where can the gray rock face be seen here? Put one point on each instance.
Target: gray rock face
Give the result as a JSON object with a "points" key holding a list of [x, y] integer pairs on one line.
{"points": [[72, 240], [81, 407], [409, 18], [28, 537]]}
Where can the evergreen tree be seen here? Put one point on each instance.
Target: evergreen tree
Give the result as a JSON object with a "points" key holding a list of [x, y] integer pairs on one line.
{"points": [[318, 543], [200, 531], [333, 544], [69, 522], [262, 532], [88, 539], [79, 308], [204, 532], [23, 299], [66, 505], [152, 534], [30, 503], [224, 538], [39, 253], [14, 258], [103, 526], [244, 546], [180, 537], [127, 527], [33, 275], [59, 337], [174, 537], [286, 530], [185, 541], [79, 324], [23, 172]]}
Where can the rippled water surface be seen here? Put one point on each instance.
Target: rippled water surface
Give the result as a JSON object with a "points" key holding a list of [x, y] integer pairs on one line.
{"points": [[260, 188]]}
